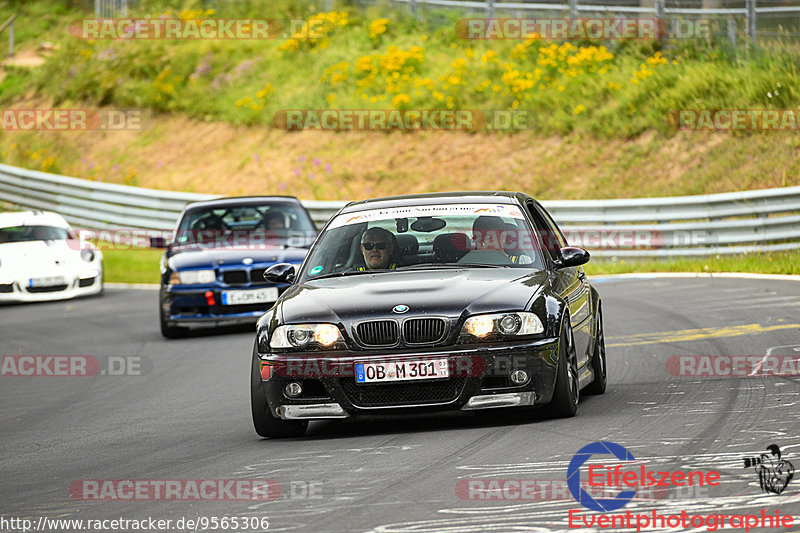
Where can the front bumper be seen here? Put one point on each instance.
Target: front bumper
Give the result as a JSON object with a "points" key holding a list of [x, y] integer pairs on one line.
{"points": [[330, 390], [189, 307], [83, 284]]}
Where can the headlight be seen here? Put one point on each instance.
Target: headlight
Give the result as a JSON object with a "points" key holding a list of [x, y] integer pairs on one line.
{"points": [[504, 324], [87, 255], [305, 336], [192, 277]]}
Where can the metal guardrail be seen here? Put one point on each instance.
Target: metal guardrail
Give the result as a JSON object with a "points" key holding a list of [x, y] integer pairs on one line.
{"points": [[766, 220], [657, 8]]}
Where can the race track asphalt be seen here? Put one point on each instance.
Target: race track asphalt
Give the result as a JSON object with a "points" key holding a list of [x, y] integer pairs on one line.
{"points": [[187, 416]]}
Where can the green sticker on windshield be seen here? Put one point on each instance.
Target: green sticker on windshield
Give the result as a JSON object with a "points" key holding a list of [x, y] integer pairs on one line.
{"points": [[316, 270]]}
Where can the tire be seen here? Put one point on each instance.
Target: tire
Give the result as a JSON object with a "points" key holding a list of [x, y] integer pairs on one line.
{"points": [[599, 365], [265, 424], [170, 332], [567, 389]]}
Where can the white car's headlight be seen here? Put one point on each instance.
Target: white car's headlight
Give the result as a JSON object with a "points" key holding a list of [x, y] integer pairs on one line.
{"points": [[192, 277], [305, 335], [87, 255], [505, 324]]}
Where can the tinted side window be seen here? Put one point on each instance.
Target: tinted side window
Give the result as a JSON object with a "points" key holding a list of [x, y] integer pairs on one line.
{"points": [[552, 240]]}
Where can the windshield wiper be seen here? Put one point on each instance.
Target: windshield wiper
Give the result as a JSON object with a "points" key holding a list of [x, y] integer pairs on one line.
{"points": [[345, 273], [434, 266]]}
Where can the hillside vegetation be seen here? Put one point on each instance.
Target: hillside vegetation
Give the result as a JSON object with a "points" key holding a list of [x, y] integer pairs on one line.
{"points": [[600, 108]]}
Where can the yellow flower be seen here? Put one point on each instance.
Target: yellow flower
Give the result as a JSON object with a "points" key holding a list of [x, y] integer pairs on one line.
{"points": [[580, 108], [377, 28], [400, 99]]}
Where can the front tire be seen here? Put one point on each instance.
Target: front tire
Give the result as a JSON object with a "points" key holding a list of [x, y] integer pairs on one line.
{"points": [[265, 424], [171, 332], [599, 368], [567, 389]]}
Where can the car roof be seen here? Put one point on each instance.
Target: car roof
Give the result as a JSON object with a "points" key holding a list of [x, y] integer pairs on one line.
{"points": [[244, 200], [32, 218], [460, 197]]}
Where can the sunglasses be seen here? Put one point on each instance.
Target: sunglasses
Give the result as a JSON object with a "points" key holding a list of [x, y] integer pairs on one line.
{"points": [[379, 245]]}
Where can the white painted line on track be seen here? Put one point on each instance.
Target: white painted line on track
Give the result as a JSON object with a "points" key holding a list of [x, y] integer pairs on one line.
{"points": [[656, 275], [134, 286]]}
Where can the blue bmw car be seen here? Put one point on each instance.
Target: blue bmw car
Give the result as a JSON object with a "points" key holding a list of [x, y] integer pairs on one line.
{"points": [[212, 271]]}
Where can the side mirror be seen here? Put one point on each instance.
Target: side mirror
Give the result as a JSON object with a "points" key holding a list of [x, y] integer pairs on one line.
{"points": [[280, 273], [572, 256], [158, 242]]}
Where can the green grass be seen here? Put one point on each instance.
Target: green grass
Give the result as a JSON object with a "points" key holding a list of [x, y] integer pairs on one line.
{"points": [[247, 81], [141, 265], [131, 266], [762, 263]]}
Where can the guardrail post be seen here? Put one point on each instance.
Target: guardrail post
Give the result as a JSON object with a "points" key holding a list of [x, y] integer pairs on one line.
{"points": [[412, 6], [659, 9], [573, 9], [751, 22], [732, 31], [490, 9]]}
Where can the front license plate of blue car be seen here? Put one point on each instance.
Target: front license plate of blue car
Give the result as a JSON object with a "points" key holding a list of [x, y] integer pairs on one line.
{"points": [[386, 371], [256, 296]]}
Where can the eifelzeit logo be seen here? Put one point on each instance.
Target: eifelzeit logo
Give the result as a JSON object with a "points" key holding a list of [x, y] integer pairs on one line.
{"points": [[774, 473]]}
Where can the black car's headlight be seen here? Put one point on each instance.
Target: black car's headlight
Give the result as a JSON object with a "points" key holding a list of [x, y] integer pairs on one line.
{"points": [[87, 255], [192, 277], [500, 325], [302, 336]]}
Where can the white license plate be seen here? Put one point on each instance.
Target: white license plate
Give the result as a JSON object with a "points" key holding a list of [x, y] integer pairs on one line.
{"points": [[257, 296], [381, 372], [51, 281]]}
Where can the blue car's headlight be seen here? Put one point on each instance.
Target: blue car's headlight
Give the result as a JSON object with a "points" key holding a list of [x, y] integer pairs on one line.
{"points": [[503, 324], [192, 277]]}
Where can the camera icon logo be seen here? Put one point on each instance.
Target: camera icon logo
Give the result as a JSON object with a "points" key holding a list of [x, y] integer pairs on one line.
{"points": [[774, 473]]}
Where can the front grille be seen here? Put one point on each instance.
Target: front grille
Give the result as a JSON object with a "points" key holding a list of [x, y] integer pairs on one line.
{"points": [[257, 276], [388, 394], [52, 288], [377, 333], [7, 287], [235, 277], [424, 330]]}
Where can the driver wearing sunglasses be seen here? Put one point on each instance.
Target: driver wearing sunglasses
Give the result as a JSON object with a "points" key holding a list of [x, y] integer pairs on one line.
{"points": [[377, 245]]}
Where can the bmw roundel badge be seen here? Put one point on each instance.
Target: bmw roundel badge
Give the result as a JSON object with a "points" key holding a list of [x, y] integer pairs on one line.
{"points": [[400, 309]]}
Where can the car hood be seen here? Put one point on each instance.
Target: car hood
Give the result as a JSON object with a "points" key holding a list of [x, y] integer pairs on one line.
{"points": [[182, 258], [442, 292], [38, 255]]}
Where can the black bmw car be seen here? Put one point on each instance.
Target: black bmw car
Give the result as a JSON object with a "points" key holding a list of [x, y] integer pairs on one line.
{"points": [[453, 301], [212, 272]]}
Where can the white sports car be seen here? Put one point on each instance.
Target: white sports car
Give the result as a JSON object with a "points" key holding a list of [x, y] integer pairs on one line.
{"points": [[41, 259]]}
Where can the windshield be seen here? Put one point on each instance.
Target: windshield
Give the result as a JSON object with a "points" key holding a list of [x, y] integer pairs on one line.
{"points": [[33, 233], [431, 236], [246, 226]]}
